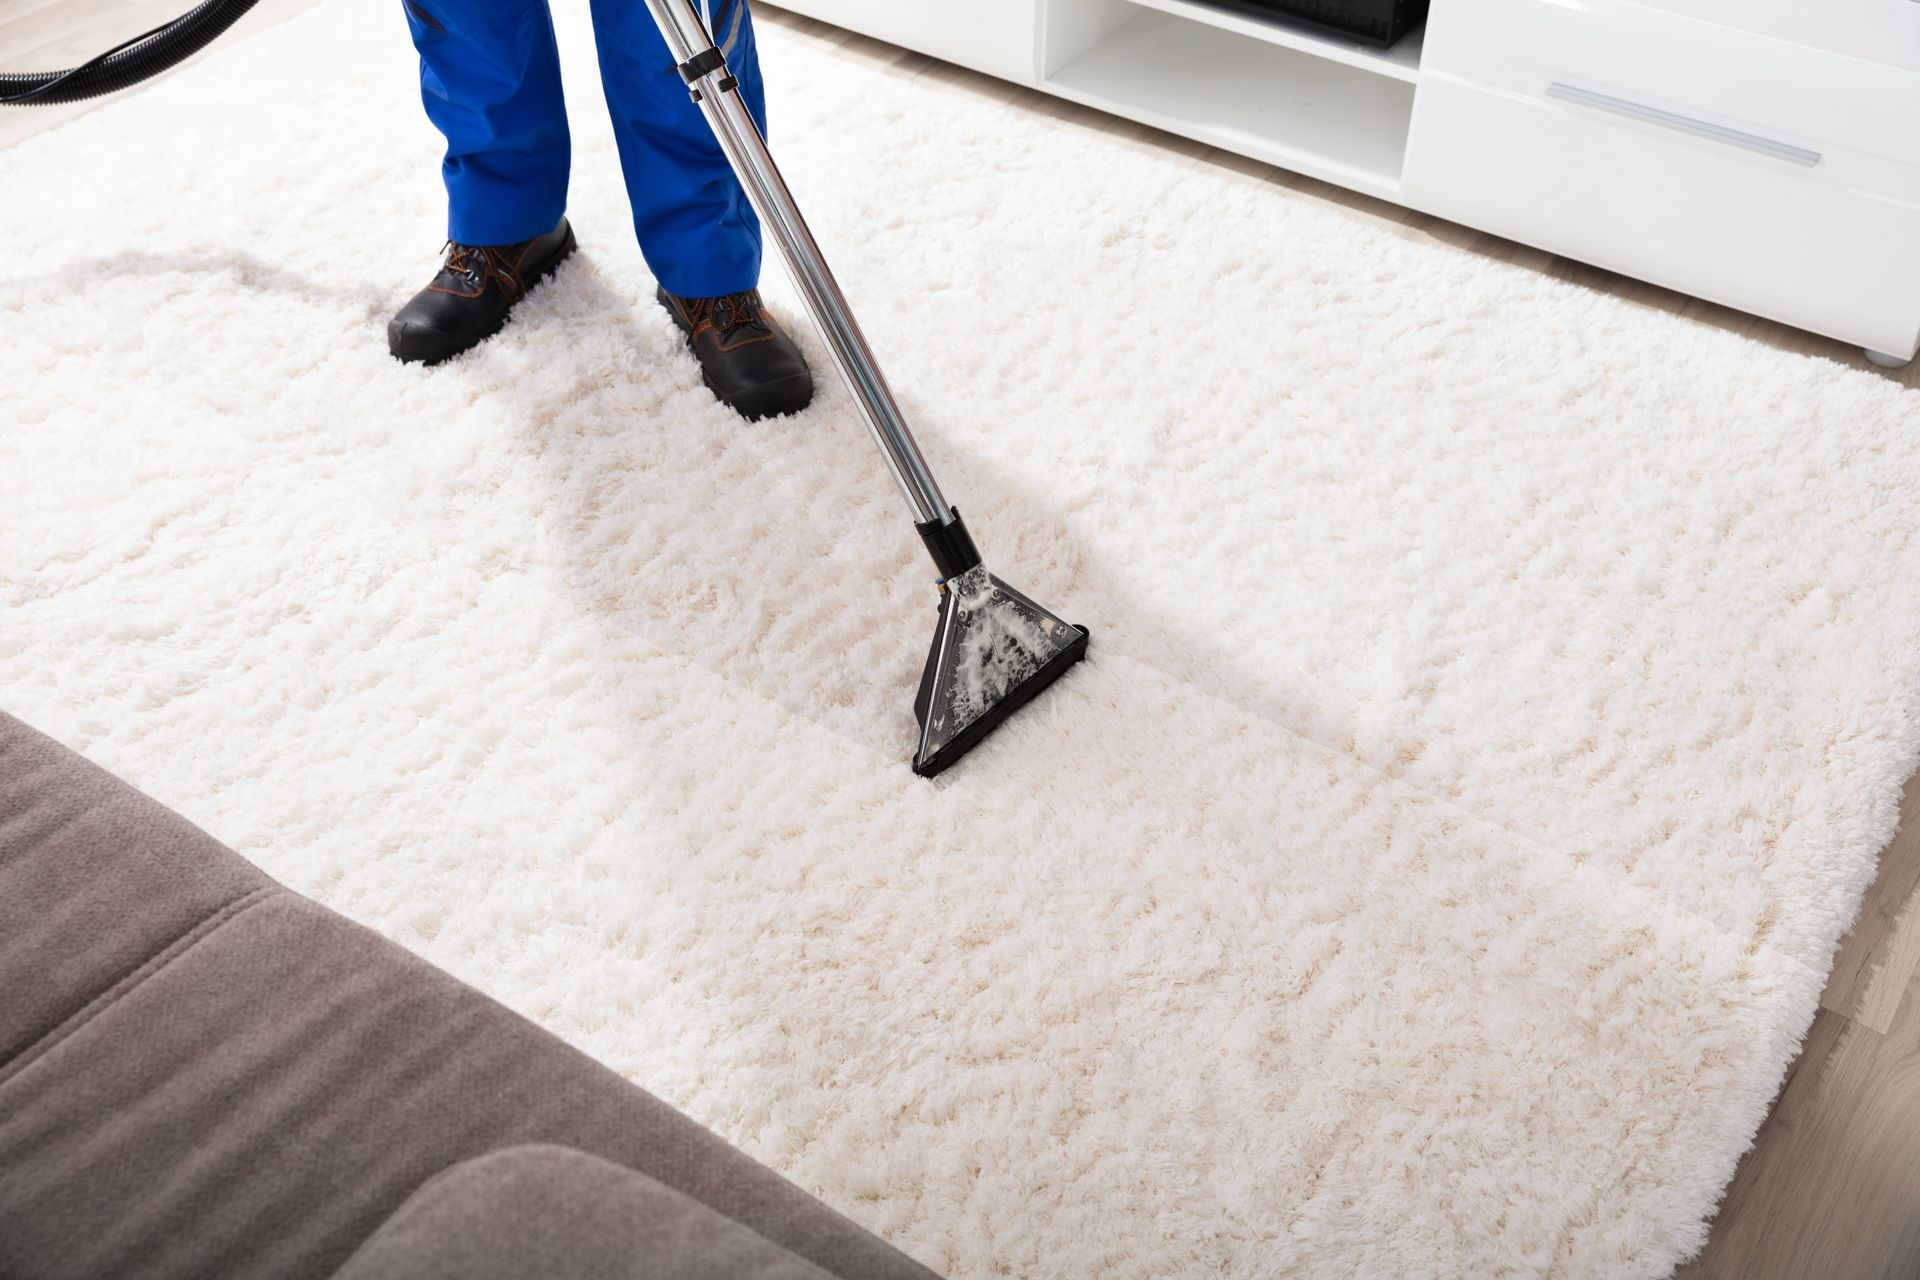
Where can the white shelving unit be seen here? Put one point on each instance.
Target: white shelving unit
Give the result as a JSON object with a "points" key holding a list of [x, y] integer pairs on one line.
{"points": [[1274, 90], [1259, 83], [1758, 153]]}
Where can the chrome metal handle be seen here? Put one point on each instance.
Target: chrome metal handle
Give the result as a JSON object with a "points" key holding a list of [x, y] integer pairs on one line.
{"points": [[1683, 123]]}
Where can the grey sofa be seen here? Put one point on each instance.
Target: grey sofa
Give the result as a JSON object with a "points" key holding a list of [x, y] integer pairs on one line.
{"points": [[203, 1074]]}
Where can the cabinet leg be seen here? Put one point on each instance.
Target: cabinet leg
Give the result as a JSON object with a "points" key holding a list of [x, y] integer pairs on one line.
{"points": [[1886, 361]]}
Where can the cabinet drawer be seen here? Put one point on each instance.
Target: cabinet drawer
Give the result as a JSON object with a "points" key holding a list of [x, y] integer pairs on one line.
{"points": [[995, 36], [1799, 93], [1816, 236]]}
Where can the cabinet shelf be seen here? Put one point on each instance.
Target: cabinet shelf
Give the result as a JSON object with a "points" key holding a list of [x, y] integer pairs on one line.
{"points": [[1400, 62], [1281, 97]]}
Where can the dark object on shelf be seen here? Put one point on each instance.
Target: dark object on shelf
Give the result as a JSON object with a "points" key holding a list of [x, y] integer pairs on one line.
{"points": [[1378, 22]]}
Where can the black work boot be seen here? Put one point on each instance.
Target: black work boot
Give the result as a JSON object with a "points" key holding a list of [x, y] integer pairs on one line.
{"points": [[473, 295], [748, 360]]}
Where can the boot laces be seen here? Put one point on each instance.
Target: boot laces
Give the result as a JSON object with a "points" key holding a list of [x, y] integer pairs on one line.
{"points": [[476, 263], [737, 311]]}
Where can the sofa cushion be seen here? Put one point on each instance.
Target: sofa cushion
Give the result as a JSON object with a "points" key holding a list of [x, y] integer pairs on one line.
{"points": [[225, 1079], [561, 1214], [96, 881]]}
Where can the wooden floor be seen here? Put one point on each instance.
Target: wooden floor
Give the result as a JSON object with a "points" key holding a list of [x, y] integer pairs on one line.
{"points": [[1832, 1185], [1831, 1190]]}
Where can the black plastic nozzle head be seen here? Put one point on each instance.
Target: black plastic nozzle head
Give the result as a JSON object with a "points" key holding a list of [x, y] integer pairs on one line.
{"points": [[993, 652]]}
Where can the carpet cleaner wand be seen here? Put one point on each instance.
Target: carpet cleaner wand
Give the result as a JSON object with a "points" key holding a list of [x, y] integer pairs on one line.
{"points": [[993, 648]]}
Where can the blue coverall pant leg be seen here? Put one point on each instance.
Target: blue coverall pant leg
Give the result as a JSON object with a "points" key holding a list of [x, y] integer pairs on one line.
{"points": [[490, 80]]}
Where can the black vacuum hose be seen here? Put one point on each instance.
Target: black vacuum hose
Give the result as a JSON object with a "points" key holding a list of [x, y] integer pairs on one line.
{"points": [[140, 58]]}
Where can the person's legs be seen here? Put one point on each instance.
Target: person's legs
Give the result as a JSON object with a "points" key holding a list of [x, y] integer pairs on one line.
{"points": [[490, 80], [698, 233]]}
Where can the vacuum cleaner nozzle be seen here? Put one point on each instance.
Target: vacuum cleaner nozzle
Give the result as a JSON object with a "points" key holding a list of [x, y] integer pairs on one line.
{"points": [[993, 652]]}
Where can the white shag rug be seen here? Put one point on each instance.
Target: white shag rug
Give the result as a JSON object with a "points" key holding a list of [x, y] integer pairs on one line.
{"points": [[1500, 692]]}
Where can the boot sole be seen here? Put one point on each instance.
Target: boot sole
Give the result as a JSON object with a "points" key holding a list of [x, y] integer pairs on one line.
{"points": [[785, 395], [396, 344]]}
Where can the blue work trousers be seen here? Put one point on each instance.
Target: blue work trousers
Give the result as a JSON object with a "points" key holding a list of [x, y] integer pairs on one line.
{"points": [[490, 78]]}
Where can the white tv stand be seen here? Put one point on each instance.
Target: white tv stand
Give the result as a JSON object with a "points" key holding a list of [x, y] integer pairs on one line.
{"points": [[1764, 154]]}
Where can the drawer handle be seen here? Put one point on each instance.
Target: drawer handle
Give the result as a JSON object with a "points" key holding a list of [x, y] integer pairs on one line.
{"points": [[1685, 124]]}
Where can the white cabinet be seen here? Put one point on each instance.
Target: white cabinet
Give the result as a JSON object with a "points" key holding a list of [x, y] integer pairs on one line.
{"points": [[1761, 153], [1777, 178], [994, 36]]}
